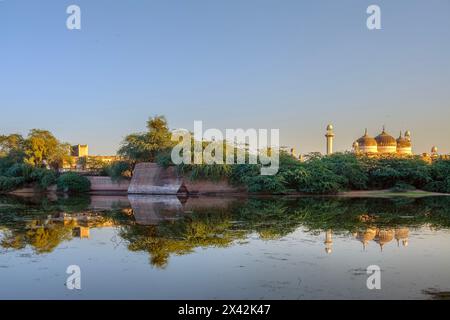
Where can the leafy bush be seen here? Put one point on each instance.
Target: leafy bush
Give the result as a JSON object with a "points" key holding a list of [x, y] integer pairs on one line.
{"points": [[44, 178], [270, 184], [402, 187], [8, 184], [350, 168], [21, 170], [118, 170], [73, 183], [321, 180]]}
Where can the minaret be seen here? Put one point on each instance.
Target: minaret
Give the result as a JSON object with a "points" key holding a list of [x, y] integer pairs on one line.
{"points": [[330, 137]]}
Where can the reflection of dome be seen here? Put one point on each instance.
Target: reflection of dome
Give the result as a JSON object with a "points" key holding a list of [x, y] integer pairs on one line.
{"points": [[403, 235], [366, 236], [386, 143], [383, 237]]}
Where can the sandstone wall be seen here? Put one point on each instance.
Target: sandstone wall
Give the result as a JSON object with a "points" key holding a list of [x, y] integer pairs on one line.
{"points": [[149, 178], [210, 187], [101, 184]]}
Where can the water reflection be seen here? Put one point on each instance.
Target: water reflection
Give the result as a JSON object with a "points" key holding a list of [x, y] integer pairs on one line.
{"points": [[231, 247], [165, 226]]}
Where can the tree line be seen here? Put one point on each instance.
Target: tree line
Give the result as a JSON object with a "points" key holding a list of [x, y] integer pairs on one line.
{"points": [[38, 158]]}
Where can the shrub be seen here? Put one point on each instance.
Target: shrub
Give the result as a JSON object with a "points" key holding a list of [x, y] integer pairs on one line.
{"points": [[320, 179], [20, 170], [8, 184], [402, 187], [118, 170], [44, 178], [73, 183], [272, 184], [350, 168], [439, 186]]}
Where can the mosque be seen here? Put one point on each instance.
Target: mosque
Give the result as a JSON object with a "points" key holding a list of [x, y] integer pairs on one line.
{"points": [[382, 144]]}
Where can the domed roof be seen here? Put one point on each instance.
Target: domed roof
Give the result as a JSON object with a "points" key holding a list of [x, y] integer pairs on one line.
{"points": [[366, 141], [385, 140], [434, 149], [330, 127], [403, 142]]}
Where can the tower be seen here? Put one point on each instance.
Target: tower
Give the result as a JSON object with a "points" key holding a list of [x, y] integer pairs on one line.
{"points": [[330, 137]]}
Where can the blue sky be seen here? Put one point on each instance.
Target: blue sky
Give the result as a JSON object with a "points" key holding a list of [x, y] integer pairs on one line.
{"points": [[293, 65]]}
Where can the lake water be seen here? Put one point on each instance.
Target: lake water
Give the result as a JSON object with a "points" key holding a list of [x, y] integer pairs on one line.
{"points": [[224, 248]]}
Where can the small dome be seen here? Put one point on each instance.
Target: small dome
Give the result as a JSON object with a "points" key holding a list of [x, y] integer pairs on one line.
{"points": [[330, 127], [366, 141], [385, 140], [434, 149], [403, 142]]}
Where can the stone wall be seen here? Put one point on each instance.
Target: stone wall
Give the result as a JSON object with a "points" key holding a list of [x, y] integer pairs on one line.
{"points": [[210, 187], [149, 178], [105, 184]]}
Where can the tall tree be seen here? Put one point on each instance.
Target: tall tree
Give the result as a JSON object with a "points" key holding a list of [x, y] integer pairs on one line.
{"points": [[12, 146], [42, 148], [145, 146]]}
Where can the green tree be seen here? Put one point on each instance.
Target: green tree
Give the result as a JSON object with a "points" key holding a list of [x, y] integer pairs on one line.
{"points": [[41, 148], [145, 146], [73, 183], [12, 146]]}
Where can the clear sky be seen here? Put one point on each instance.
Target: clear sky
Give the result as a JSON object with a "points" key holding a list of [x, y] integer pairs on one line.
{"points": [[293, 65]]}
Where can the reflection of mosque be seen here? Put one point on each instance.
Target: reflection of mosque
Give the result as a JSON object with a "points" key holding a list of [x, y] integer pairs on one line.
{"points": [[80, 223], [377, 235]]}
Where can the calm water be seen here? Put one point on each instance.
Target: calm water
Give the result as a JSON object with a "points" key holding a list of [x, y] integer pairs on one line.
{"points": [[224, 248]]}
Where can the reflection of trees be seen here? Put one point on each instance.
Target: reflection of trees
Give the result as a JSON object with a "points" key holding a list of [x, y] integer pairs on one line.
{"points": [[204, 227], [181, 236], [273, 218], [43, 224], [42, 239]]}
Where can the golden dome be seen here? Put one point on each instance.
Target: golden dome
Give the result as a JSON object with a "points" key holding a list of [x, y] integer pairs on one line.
{"points": [[403, 142], [366, 141], [330, 127], [385, 140], [434, 149]]}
